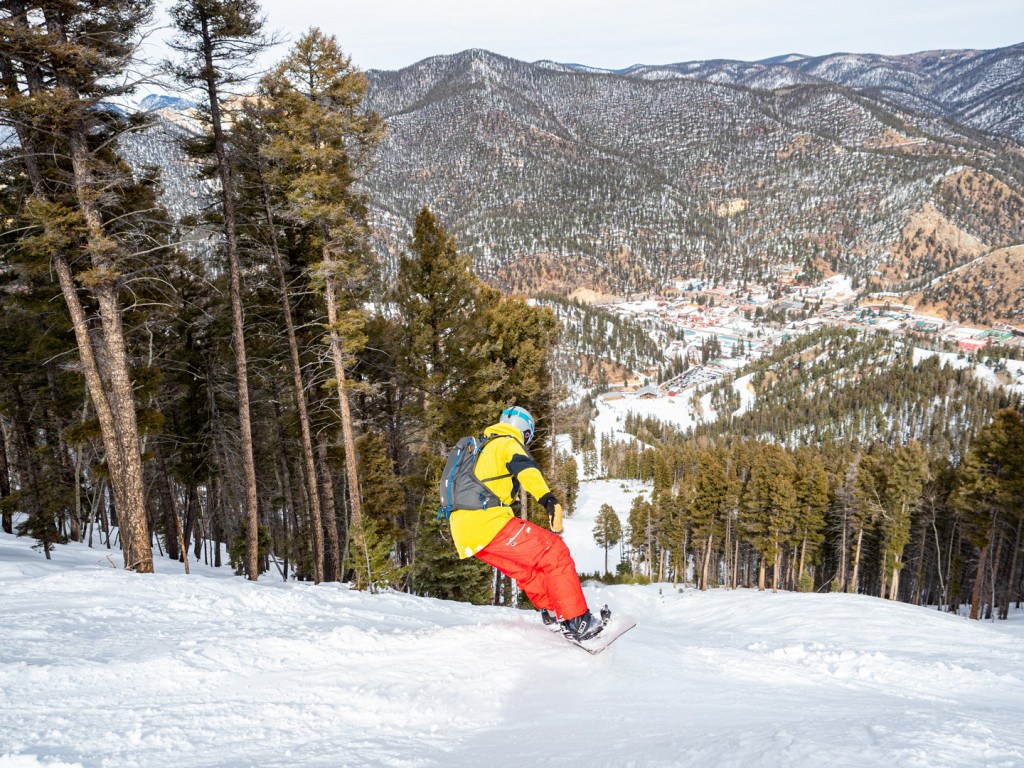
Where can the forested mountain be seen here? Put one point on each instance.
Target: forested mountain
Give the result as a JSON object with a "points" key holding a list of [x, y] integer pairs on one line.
{"points": [[554, 178], [858, 388], [980, 89], [597, 347]]}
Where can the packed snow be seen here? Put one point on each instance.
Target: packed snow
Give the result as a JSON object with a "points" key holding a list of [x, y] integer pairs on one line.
{"points": [[100, 667]]}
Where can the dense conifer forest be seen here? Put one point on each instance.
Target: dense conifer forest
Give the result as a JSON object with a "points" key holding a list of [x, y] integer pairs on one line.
{"points": [[860, 471], [241, 375]]}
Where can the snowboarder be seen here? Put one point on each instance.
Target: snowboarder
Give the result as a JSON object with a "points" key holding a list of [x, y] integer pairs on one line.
{"points": [[536, 558]]}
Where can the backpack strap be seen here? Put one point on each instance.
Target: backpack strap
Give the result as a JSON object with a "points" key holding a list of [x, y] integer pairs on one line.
{"points": [[507, 474]]}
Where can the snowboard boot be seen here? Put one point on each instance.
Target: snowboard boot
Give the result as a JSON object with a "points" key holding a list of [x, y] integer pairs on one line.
{"points": [[582, 627], [548, 617]]}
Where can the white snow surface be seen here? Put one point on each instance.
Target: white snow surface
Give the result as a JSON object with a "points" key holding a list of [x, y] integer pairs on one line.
{"points": [[100, 667]]}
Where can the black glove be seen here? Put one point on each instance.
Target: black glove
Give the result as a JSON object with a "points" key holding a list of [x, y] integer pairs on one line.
{"points": [[554, 511]]}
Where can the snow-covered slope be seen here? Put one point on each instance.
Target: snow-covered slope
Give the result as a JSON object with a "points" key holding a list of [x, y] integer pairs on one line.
{"points": [[99, 667]]}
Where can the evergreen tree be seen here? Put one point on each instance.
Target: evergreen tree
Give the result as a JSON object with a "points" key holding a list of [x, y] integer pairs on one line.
{"points": [[218, 41], [906, 475], [709, 504], [769, 508], [321, 142], [990, 491], [641, 525], [812, 500], [58, 64], [607, 530]]}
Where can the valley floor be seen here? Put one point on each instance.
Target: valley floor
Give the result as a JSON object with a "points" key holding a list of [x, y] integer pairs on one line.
{"points": [[99, 667]]}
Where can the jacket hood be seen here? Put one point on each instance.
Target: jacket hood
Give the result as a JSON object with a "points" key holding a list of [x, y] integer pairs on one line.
{"points": [[503, 429]]}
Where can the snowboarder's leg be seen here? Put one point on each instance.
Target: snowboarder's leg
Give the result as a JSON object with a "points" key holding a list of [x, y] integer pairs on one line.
{"points": [[541, 564], [523, 574]]}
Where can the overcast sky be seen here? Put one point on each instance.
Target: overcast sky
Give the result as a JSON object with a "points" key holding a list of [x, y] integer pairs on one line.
{"points": [[390, 34]]}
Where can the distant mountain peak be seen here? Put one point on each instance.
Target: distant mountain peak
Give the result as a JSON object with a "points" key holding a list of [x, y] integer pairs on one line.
{"points": [[786, 58], [155, 101]]}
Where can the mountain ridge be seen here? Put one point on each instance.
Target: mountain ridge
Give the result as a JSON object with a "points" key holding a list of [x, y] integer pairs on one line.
{"points": [[554, 178]]}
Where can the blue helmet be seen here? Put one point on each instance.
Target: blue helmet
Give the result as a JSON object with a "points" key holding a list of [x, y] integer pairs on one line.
{"points": [[521, 419]]}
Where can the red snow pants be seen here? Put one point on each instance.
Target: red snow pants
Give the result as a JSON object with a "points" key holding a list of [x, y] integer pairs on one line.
{"points": [[541, 564]]}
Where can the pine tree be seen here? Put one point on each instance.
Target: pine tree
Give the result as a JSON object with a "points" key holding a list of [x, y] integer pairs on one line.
{"points": [[812, 500], [641, 525], [607, 530], [868, 508], [321, 142], [906, 475], [769, 507], [57, 66], [710, 502], [991, 488], [448, 357], [218, 41]]}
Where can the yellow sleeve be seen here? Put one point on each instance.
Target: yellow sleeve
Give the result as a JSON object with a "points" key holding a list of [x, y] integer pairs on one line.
{"points": [[525, 470]]}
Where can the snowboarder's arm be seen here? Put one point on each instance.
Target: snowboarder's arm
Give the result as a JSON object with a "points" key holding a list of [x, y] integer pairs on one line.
{"points": [[525, 470]]}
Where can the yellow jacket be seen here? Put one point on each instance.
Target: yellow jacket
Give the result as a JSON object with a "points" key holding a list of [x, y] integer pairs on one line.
{"points": [[505, 465]]}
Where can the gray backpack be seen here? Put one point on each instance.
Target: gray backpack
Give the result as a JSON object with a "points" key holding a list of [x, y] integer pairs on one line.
{"points": [[460, 487]]}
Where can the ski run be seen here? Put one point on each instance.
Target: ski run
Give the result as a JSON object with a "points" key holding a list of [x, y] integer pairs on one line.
{"points": [[101, 667]]}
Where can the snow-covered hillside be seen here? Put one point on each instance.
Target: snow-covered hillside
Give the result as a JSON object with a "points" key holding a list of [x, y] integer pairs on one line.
{"points": [[99, 667]]}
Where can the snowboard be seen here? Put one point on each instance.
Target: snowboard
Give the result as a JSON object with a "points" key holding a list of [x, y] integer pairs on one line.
{"points": [[616, 627]]}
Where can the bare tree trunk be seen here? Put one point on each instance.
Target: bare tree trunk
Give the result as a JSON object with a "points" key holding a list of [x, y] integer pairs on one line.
{"points": [[66, 469], [5, 482], [300, 400], [919, 575], [181, 541], [979, 578], [852, 587], [237, 314], [843, 555], [727, 550], [938, 565], [289, 502], [803, 561], [332, 557], [894, 587], [1011, 583], [351, 470], [706, 564], [171, 523], [994, 563], [735, 563], [118, 428]]}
